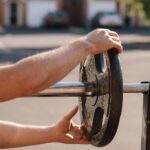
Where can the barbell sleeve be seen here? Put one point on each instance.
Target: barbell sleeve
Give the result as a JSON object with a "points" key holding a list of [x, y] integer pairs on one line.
{"points": [[76, 89], [135, 87]]}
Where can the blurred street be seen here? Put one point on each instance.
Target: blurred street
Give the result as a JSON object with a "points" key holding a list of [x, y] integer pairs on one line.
{"points": [[135, 62]]}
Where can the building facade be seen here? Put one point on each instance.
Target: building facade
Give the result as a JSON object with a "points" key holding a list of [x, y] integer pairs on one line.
{"points": [[25, 12], [12, 12], [32, 12]]}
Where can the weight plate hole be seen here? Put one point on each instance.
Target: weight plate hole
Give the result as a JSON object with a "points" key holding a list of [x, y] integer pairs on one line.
{"points": [[98, 120], [100, 63]]}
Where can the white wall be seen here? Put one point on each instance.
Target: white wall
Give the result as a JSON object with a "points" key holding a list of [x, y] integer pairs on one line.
{"points": [[95, 6], [37, 10]]}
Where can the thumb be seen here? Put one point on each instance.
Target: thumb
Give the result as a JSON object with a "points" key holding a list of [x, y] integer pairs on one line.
{"points": [[72, 113]]}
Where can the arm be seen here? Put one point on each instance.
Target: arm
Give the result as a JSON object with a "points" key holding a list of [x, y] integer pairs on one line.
{"points": [[65, 131], [17, 135], [38, 72]]}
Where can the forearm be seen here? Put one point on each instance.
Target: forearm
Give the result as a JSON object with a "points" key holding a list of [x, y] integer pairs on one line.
{"points": [[16, 135], [45, 69], [40, 71]]}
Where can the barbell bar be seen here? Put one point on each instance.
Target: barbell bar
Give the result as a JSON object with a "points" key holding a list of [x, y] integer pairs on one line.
{"points": [[77, 89]]}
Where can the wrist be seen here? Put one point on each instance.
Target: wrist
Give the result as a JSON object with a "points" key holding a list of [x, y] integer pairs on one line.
{"points": [[53, 135], [81, 45], [50, 134]]}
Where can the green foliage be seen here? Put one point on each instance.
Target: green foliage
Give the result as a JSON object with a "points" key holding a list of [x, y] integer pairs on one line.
{"points": [[146, 7]]}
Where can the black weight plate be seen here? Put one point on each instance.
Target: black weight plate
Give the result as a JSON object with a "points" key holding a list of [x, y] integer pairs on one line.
{"points": [[100, 114]]}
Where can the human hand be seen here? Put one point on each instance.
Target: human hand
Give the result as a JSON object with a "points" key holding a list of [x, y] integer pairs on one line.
{"points": [[101, 40], [66, 131]]}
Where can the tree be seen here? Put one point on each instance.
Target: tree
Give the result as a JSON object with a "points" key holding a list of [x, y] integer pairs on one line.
{"points": [[146, 7]]}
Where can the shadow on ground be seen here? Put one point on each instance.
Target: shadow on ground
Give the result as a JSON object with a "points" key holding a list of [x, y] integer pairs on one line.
{"points": [[145, 31], [136, 46], [13, 55]]}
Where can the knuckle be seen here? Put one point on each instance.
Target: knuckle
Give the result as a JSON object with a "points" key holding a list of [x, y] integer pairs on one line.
{"points": [[110, 39], [117, 34], [107, 36], [103, 31]]}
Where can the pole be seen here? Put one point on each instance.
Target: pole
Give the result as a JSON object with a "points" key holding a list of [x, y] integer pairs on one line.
{"points": [[145, 145]]}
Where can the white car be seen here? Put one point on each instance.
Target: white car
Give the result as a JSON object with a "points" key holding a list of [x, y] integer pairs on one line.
{"points": [[112, 19]]}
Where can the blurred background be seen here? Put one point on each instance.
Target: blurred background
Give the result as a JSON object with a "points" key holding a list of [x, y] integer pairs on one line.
{"points": [[81, 13], [28, 27]]}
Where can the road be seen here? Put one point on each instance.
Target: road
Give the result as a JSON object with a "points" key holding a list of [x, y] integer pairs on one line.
{"points": [[135, 62]]}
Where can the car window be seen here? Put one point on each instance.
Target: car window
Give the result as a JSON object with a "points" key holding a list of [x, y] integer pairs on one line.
{"points": [[110, 14]]}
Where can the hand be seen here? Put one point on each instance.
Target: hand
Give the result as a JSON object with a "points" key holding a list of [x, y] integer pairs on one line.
{"points": [[66, 131], [101, 40]]}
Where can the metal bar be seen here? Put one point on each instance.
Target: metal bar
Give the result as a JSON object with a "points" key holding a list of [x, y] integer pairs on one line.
{"points": [[69, 89], [145, 144], [75, 89], [135, 87]]}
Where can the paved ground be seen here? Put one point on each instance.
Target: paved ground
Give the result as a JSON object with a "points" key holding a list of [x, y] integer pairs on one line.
{"points": [[135, 63]]}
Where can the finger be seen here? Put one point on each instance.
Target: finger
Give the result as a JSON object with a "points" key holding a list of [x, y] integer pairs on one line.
{"points": [[116, 39], [73, 125], [105, 29], [83, 141], [69, 139], [117, 45], [112, 33], [72, 113], [76, 132], [102, 29]]}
